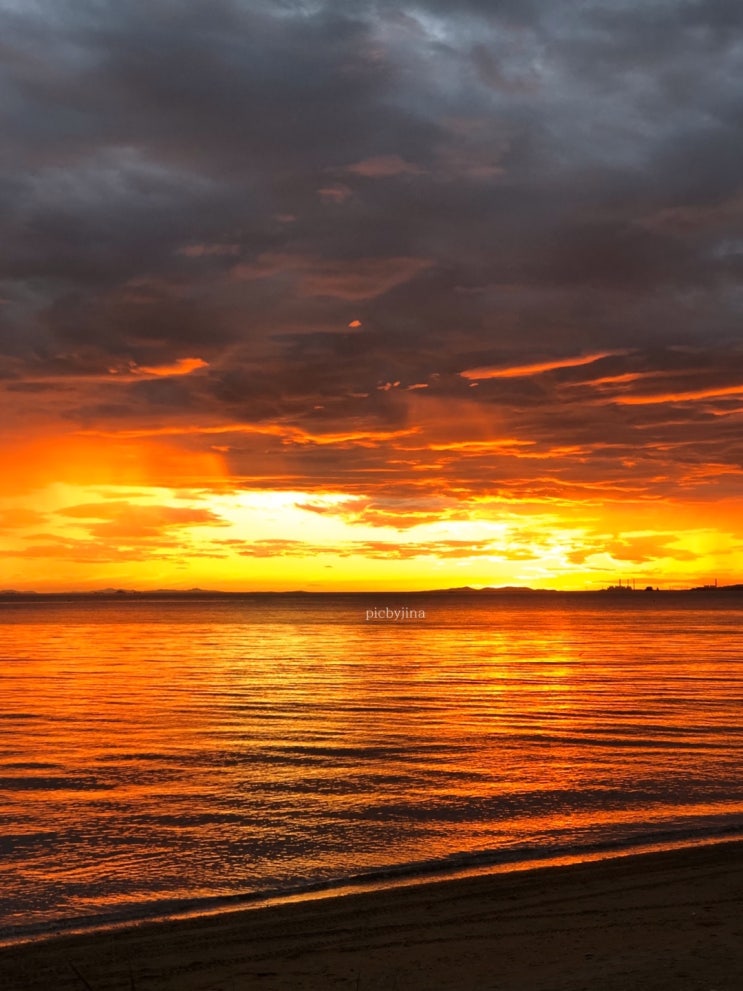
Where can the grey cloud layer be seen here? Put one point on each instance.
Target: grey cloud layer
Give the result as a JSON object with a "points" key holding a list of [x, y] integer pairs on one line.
{"points": [[478, 183]]}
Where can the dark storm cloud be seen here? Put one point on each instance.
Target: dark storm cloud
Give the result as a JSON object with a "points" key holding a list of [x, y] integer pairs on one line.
{"points": [[476, 184]]}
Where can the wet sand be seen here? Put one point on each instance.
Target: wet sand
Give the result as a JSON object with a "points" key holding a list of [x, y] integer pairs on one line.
{"points": [[670, 921]]}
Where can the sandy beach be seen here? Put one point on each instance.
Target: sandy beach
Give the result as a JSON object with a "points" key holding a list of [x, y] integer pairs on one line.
{"points": [[667, 921]]}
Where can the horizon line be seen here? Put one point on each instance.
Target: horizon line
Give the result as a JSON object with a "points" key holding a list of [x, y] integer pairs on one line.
{"points": [[118, 593]]}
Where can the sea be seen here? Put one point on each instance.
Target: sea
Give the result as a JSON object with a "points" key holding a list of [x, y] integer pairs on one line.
{"points": [[184, 755]]}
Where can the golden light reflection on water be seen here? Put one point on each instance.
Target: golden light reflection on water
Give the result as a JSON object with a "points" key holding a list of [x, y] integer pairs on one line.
{"points": [[157, 752]]}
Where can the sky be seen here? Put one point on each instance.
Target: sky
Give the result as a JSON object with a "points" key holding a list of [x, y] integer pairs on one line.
{"points": [[370, 295]]}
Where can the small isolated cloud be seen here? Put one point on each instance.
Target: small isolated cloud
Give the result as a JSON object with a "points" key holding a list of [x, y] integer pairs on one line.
{"points": [[384, 166], [334, 194], [206, 250], [182, 366]]}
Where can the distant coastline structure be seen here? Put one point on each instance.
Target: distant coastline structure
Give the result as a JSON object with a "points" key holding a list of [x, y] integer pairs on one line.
{"points": [[620, 588]]}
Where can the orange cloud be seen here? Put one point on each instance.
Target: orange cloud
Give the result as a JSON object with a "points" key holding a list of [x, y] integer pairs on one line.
{"points": [[683, 396], [383, 549], [288, 434], [18, 518], [519, 371], [118, 519], [495, 446], [182, 366], [82, 460], [634, 549]]}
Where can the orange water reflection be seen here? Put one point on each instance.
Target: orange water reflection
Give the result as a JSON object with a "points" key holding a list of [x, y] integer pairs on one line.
{"points": [[155, 752]]}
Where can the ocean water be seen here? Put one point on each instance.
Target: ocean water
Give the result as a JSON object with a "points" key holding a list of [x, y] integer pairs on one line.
{"points": [[158, 756]]}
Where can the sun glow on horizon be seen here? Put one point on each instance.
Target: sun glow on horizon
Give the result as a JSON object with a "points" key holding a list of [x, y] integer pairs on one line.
{"points": [[78, 536]]}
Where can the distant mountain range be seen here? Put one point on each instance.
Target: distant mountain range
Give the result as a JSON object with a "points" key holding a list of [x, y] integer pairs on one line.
{"points": [[200, 593]]}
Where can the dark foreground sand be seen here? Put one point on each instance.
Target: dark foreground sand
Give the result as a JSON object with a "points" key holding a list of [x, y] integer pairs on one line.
{"points": [[669, 921]]}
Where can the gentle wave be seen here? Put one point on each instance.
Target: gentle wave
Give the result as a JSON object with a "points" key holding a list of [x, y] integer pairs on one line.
{"points": [[453, 866]]}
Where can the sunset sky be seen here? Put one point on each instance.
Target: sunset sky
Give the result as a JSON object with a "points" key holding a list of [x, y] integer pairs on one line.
{"points": [[370, 295]]}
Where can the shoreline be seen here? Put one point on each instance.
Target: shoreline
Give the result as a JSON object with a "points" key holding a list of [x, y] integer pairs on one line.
{"points": [[664, 919], [385, 880]]}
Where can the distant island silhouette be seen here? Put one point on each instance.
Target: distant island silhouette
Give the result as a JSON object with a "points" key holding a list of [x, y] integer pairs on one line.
{"points": [[119, 594]]}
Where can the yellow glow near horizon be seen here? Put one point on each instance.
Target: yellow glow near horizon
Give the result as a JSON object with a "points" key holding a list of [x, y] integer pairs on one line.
{"points": [[63, 536]]}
